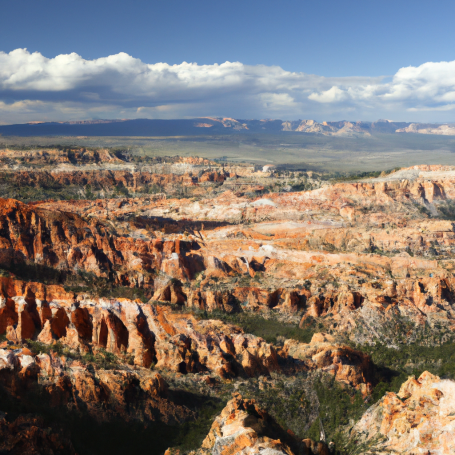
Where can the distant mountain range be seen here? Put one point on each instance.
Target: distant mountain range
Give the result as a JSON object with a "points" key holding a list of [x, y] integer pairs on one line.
{"points": [[212, 125]]}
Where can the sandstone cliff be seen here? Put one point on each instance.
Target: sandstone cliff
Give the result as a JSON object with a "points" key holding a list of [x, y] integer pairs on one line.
{"points": [[28, 435], [244, 428], [144, 334], [369, 261], [132, 395], [419, 419], [66, 241]]}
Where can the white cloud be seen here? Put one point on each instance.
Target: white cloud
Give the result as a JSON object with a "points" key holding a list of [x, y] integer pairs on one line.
{"points": [[333, 95], [278, 101], [446, 107], [68, 87]]}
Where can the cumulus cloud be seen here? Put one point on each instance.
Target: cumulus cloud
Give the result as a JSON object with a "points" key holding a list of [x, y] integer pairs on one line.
{"points": [[68, 87], [332, 95]]}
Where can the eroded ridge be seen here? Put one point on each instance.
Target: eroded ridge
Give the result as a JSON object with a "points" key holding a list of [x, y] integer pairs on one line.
{"points": [[237, 285], [244, 428], [145, 335], [417, 419]]}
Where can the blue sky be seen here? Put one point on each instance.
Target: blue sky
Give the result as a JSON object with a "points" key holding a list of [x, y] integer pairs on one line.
{"points": [[348, 46]]}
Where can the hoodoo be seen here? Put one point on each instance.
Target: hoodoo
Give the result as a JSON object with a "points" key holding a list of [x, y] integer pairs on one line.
{"points": [[230, 320]]}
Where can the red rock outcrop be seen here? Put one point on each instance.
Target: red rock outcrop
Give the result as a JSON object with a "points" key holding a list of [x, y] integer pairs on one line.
{"points": [[133, 395], [28, 435], [67, 242], [361, 259], [349, 366], [312, 254], [244, 428], [135, 181], [108, 171], [52, 157], [340, 202], [145, 334], [419, 419]]}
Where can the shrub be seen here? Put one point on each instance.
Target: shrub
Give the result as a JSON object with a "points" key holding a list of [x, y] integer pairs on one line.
{"points": [[269, 329], [75, 282]]}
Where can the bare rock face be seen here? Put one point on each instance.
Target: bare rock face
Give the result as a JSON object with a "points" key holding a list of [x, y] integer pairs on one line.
{"points": [[244, 428], [419, 419], [65, 241], [135, 331], [27, 435], [370, 260], [138, 394], [185, 345], [83, 168], [145, 335], [444, 130], [356, 254], [349, 366], [52, 157]]}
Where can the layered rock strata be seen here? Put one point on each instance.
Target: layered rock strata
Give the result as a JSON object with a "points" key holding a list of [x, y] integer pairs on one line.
{"points": [[314, 267], [347, 365], [145, 335], [67, 242]]}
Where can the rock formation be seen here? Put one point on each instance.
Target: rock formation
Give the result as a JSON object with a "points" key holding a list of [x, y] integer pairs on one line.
{"points": [[419, 419], [366, 261], [67, 242], [28, 435], [137, 394], [145, 334], [314, 267], [346, 364], [244, 428], [221, 125]]}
